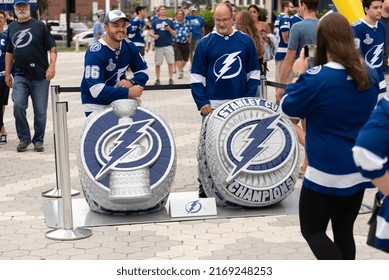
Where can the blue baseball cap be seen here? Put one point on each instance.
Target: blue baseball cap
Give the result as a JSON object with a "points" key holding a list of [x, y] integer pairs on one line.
{"points": [[17, 2]]}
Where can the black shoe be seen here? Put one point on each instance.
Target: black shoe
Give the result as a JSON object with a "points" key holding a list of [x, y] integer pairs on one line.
{"points": [[3, 139], [171, 82], [22, 147], [38, 147], [202, 193], [157, 82]]}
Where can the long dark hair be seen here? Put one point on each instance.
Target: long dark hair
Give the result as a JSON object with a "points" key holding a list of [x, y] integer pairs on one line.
{"points": [[335, 38], [245, 23]]}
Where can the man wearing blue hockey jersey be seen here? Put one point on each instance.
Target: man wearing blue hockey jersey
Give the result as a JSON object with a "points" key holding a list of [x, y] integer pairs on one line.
{"points": [[282, 27], [223, 66], [106, 64], [136, 27], [369, 35]]}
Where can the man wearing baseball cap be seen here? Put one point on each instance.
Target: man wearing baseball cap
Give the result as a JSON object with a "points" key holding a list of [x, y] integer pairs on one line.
{"points": [[28, 41], [106, 63], [98, 30], [136, 27]]}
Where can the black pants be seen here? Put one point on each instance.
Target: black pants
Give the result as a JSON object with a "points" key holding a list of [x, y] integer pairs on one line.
{"points": [[316, 210]]}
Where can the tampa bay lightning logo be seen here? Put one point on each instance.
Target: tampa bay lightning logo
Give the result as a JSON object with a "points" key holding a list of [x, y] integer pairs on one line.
{"points": [[22, 38], [228, 66], [109, 145], [258, 132], [374, 56], [114, 147], [193, 207]]}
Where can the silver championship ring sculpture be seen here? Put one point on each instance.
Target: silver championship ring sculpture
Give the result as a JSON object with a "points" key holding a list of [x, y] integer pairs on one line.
{"points": [[248, 154], [127, 160]]}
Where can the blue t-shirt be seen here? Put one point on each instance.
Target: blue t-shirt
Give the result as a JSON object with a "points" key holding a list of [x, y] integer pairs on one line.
{"points": [[335, 110], [183, 31], [370, 39], [165, 38], [98, 29], [197, 23], [3, 40]]}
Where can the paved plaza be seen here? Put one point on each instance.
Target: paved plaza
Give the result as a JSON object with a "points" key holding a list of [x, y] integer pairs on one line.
{"points": [[24, 176]]}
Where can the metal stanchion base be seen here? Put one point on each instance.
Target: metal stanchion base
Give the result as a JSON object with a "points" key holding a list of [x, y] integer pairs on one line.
{"points": [[68, 234], [56, 193], [365, 209]]}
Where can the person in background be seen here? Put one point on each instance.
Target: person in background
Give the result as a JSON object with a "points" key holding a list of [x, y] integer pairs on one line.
{"points": [[301, 33], [281, 31], [198, 30], [33, 73], [369, 35], [98, 30], [182, 41], [262, 26], [385, 21], [332, 189], [105, 65], [4, 89], [371, 152], [162, 30], [245, 23], [136, 28], [264, 31]]}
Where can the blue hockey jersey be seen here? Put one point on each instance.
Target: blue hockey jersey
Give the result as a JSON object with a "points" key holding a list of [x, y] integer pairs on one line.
{"points": [[371, 152], [104, 68], [224, 68], [370, 40], [335, 111], [282, 24], [135, 31]]}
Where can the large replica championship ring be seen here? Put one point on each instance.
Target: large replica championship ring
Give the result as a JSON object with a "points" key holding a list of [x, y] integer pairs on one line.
{"points": [[127, 160], [248, 154]]}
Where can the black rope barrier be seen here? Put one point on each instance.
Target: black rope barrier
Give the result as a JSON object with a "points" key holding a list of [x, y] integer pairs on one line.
{"points": [[165, 87]]}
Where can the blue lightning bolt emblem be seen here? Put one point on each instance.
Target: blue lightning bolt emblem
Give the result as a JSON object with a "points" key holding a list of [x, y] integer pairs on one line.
{"points": [[195, 206], [124, 144], [231, 58], [258, 134]]}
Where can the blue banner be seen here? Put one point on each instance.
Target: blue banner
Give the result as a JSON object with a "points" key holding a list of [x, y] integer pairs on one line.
{"points": [[8, 5]]}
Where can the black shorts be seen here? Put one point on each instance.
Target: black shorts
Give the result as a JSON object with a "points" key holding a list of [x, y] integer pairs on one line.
{"points": [[181, 51], [4, 93]]}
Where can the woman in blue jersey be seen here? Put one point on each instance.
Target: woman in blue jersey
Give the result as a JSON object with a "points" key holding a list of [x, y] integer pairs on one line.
{"points": [[371, 152], [336, 97]]}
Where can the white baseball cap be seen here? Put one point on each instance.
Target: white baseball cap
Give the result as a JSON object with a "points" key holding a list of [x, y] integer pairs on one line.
{"points": [[114, 16]]}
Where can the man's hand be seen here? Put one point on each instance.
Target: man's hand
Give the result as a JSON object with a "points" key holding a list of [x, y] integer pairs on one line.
{"points": [[135, 91], [206, 109], [279, 93], [50, 72]]}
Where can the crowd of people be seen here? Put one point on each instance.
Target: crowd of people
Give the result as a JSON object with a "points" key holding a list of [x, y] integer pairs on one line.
{"points": [[330, 96]]}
